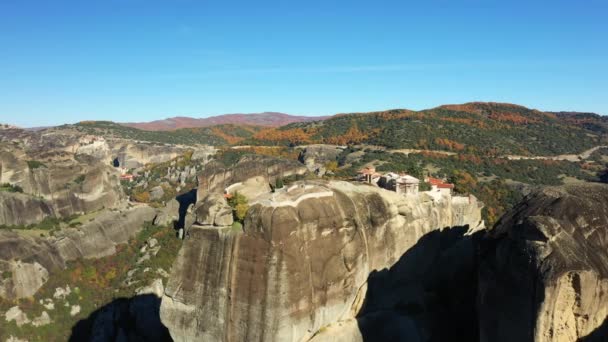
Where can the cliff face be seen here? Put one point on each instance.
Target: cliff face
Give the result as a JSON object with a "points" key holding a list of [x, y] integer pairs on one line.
{"points": [[65, 172], [29, 260], [216, 177], [301, 262], [59, 185], [544, 268]]}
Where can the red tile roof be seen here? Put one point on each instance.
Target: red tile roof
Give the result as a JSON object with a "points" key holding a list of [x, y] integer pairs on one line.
{"points": [[435, 181]]}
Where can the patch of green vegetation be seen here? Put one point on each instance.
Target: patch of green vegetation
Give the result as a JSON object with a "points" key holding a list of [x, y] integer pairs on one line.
{"points": [[47, 224], [230, 157], [240, 205], [219, 135], [34, 164], [93, 283], [80, 179], [6, 274], [10, 188], [478, 128], [237, 226]]}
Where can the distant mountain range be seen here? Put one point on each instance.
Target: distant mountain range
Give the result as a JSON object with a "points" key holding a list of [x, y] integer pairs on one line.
{"points": [[268, 119]]}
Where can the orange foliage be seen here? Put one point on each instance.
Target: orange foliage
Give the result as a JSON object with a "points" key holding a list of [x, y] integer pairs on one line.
{"points": [[352, 136], [590, 166], [465, 121], [469, 158], [464, 181], [435, 155], [452, 145], [229, 138], [142, 197], [512, 117], [294, 135], [399, 114], [500, 161]]}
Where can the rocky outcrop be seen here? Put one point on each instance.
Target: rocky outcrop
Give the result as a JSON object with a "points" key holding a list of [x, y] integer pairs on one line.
{"points": [[213, 211], [59, 187], [544, 268], [216, 177], [317, 155], [301, 262], [100, 237], [26, 262], [64, 172], [22, 210], [129, 154]]}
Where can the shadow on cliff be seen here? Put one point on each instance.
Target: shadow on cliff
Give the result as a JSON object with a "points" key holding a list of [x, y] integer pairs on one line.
{"points": [[598, 335], [124, 319], [185, 201], [429, 294]]}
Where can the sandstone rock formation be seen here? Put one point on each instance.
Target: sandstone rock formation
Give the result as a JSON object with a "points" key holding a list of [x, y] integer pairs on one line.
{"points": [[100, 237], [129, 154], [544, 268], [216, 177], [27, 261], [65, 172], [301, 262], [55, 183], [214, 211], [22, 209], [30, 260], [316, 155]]}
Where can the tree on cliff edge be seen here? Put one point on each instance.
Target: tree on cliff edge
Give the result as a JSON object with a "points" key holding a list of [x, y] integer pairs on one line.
{"points": [[240, 205]]}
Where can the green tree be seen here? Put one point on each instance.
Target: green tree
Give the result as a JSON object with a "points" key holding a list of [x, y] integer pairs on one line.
{"points": [[240, 205], [279, 183]]}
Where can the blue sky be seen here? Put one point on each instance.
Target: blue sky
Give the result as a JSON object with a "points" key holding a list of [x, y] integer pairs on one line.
{"points": [[141, 60]]}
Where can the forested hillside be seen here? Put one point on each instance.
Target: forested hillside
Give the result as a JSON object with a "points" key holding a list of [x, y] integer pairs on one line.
{"points": [[475, 128], [219, 135], [481, 129]]}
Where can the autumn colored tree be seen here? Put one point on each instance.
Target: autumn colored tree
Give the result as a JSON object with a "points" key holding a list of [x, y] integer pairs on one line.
{"points": [[293, 136], [331, 166], [351, 137], [451, 145], [463, 181], [240, 205], [142, 197]]}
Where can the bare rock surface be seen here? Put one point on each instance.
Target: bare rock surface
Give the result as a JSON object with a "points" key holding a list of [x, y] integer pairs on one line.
{"points": [[15, 314], [301, 262], [213, 210], [216, 177], [544, 268], [55, 182], [100, 237], [316, 155], [29, 261]]}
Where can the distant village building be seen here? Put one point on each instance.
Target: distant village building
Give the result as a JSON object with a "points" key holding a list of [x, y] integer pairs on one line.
{"points": [[408, 185], [127, 177], [368, 175], [402, 183], [440, 185]]}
